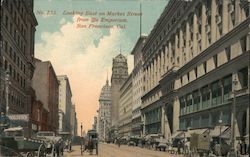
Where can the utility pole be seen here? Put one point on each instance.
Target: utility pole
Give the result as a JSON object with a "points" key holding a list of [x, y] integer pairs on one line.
{"points": [[233, 137], [81, 140]]}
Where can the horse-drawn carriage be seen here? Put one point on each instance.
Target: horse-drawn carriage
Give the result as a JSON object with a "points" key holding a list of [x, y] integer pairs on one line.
{"points": [[91, 142], [54, 144], [14, 138]]}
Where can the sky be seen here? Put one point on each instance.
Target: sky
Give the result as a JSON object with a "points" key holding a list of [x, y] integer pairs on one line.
{"points": [[81, 37]]}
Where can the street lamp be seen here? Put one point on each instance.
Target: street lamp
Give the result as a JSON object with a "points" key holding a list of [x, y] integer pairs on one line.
{"points": [[233, 137], [220, 122], [81, 140]]}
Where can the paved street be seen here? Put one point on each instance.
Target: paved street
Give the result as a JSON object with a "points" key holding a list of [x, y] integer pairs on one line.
{"points": [[111, 150]]}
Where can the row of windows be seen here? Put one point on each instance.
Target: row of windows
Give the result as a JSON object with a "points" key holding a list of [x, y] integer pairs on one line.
{"points": [[207, 96], [205, 120], [12, 54], [211, 95], [19, 37], [153, 116], [15, 100], [153, 128], [15, 74], [16, 9]]}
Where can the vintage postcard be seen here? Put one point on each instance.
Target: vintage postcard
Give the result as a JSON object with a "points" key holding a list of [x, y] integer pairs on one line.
{"points": [[124, 78]]}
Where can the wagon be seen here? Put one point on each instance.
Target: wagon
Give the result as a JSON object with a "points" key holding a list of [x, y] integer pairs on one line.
{"points": [[13, 138], [91, 141], [54, 144]]}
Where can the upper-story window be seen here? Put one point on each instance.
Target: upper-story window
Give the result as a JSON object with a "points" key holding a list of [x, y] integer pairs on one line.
{"points": [[243, 77]]}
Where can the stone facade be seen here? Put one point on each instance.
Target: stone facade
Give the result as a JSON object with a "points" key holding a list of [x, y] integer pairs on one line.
{"points": [[18, 24], [73, 120], [125, 108], [137, 87], [65, 103], [46, 85], [104, 112], [195, 59], [119, 76]]}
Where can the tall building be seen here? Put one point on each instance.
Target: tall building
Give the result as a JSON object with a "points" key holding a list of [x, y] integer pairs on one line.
{"points": [[125, 108], [119, 76], [18, 24], [65, 103], [73, 120], [94, 125], [137, 87], [46, 86], [196, 69], [104, 112], [76, 125]]}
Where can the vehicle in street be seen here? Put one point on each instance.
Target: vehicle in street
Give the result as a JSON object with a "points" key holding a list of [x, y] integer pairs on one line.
{"points": [[156, 142], [54, 144], [13, 139], [91, 141], [161, 144], [133, 141]]}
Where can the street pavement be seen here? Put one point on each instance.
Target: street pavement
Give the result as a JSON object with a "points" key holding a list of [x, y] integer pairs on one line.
{"points": [[111, 150]]}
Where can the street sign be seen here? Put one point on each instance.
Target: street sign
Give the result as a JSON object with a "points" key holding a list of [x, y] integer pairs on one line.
{"points": [[19, 117]]}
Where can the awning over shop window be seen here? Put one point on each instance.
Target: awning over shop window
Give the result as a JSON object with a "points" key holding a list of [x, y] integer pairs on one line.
{"points": [[216, 131], [226, 134], [174, 135]]}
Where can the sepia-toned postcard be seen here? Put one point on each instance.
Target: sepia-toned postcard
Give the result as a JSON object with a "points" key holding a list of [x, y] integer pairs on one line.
{"points": [[124, 78]]}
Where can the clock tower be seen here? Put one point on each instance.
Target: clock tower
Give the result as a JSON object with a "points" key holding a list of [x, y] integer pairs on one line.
{"points": [[119, 76]]}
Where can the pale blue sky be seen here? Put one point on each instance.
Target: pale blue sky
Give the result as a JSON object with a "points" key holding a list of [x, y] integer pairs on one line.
{"points": [[85, 55]]}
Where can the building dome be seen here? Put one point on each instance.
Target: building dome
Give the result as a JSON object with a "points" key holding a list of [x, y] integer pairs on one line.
{"points": [[120, 58], [106, 92]]}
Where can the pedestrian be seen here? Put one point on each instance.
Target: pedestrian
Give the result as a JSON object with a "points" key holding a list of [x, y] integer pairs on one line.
{"points": [[179, 147], [243, 147], [238, 148], [70, 146], [118, 142]]}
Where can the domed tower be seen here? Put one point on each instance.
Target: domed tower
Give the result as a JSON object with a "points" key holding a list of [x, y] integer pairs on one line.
{"points": [[104, 112], [119, 76]]}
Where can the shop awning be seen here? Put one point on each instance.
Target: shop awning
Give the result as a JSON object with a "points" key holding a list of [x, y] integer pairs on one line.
{"points": [[174, 135], [216, 131], [226, 134]]}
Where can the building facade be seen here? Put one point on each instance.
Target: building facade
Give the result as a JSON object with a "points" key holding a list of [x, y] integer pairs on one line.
{"points": [[73, 120], [137, 87], [104, 112], [125, 109], [18, 24], [46, 85], [65, 103], [195, 64], [119, 76]]}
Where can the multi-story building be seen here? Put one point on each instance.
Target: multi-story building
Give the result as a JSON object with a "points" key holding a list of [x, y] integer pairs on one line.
{"points": [[65, 103], [200, 51], [94, 125], [125, 108], [46, 86], [104, 112], [39, 117], [119, 76], [76, 125], [137, 87], [18, 24], [73, 120]]}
